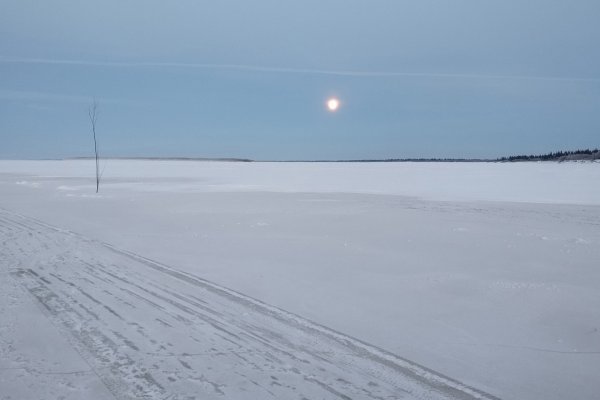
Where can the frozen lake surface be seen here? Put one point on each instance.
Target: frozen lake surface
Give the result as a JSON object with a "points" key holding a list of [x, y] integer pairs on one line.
{"points": [[292, 280]]}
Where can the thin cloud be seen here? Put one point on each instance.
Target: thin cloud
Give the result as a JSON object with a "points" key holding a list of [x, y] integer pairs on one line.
{"points": [[25, 95], [267, 69]]}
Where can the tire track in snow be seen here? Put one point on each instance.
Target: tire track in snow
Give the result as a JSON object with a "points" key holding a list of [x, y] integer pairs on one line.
{"points": [[151, 331]]}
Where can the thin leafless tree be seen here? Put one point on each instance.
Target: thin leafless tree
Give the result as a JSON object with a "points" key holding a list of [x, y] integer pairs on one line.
{"points": [[93, 114]]}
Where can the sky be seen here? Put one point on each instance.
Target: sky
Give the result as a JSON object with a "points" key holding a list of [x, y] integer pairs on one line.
{"points": [[250, 79]]}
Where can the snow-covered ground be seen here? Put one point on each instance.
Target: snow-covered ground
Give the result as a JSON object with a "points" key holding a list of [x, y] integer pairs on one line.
{"points": [[485, 273]]}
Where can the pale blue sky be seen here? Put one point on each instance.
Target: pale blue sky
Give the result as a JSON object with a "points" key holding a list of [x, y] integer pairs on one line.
{"points": [[422, 78]]}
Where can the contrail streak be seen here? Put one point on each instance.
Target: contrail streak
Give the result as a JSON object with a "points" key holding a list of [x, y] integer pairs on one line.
{"points": [[308, 71]]}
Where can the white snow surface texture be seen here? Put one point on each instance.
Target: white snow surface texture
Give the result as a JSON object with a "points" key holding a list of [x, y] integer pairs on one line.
{"points": [[185, 279]]}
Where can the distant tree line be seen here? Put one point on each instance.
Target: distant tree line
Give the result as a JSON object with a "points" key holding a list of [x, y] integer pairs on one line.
{"points": [[586, 154], [574, 155]]}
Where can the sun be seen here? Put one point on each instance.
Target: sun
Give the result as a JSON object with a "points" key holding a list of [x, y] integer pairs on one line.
{"points": [[333, 104]]}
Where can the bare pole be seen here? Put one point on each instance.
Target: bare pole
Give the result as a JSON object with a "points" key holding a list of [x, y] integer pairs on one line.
{"points": [[92, 113]]}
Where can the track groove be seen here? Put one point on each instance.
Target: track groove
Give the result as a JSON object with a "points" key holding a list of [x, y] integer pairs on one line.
{"points": [[151, 331]]}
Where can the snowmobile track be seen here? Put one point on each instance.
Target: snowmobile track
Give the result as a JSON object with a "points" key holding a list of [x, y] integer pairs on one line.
{"points": [[148, 330]]}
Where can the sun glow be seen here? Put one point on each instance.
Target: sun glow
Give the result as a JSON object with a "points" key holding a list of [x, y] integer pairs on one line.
{"points": [[333, 104]]}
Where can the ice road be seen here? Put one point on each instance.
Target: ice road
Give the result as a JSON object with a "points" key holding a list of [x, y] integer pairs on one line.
{"points": [[141, 329]]}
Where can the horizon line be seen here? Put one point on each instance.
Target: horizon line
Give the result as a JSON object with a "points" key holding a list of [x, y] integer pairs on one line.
{"points": [[389, 159]]}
